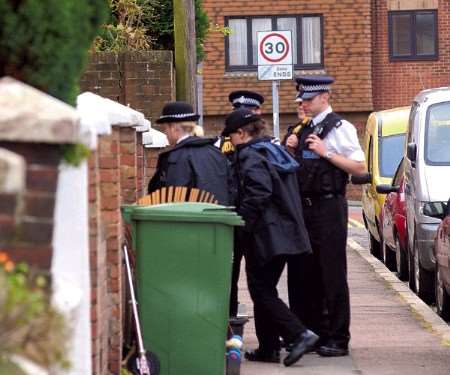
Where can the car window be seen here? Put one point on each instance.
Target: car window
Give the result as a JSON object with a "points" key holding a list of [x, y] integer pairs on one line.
{"points": [[399, 173], [390, 152], [437, 134], [412, 119], [370, 155]]}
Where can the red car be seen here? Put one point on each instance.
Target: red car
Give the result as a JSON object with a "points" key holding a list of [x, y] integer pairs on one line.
{"points": [[441, 211], [393, 223]]}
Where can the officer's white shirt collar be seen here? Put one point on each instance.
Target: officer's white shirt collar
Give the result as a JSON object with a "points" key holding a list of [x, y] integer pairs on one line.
{"points": [[321, 116], [183, 138]]}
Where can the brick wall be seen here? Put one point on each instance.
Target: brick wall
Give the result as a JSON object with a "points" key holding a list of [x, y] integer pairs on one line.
{"points": [[347, 46], [397, 83], [100, 312], [143, 80], [118, 175], [27, 234]]}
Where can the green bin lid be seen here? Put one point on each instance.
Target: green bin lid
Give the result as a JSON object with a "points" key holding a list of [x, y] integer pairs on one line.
{"points": [[187, 212]]}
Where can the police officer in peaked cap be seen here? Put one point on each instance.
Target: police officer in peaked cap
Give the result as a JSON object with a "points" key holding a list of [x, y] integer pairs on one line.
{"points": [[252, 101], [328, 151], [246, 99]]}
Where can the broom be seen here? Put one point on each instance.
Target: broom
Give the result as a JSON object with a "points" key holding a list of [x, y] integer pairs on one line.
{"points": [[177, 194]]}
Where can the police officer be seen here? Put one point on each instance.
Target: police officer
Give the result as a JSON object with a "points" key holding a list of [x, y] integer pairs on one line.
{"points": [[191, 161], [252, 101], [328, 151], [241, 99], [274, 231], [303, 120]]}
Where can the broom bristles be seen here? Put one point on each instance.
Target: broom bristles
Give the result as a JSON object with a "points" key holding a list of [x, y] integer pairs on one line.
{"points": [[177, 194]]}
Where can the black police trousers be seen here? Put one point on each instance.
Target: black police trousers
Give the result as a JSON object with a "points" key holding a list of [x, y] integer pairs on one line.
{"points": [[237, 259], [272, 316], [317, 283]]}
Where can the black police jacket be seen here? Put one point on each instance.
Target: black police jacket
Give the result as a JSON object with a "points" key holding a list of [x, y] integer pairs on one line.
{"points": [[269, 202], [195, 163], [317, 176]]}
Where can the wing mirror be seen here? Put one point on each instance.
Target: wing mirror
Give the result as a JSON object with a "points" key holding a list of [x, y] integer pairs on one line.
{"points": [[437, 210], [411, 152], [362, 179], [386, 189]]}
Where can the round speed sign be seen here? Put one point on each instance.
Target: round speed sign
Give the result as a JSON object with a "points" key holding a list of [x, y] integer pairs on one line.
{"points": [[274, 47]]}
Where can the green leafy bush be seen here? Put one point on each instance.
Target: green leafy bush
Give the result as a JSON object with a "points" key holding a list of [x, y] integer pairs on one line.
{"points": [[45, 42], [147, 24], [29, 325]]}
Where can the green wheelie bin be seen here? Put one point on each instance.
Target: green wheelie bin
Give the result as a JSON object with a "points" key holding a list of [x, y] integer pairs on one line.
{"points": [[183, 270]]}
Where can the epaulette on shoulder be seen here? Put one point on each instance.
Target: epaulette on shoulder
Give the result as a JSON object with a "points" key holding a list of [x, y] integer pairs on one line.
{"points": [[338, 124]]}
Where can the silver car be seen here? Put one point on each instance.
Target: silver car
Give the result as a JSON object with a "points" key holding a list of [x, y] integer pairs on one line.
{"points": [[427, 178]]}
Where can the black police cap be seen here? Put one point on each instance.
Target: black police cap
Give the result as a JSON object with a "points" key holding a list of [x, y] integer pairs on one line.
{"points": [[177, 112], [245, 99], [237, 119], [310, 86]]}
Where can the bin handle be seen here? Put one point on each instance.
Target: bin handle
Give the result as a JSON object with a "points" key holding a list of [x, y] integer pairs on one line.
{"points": [[228, 208]]}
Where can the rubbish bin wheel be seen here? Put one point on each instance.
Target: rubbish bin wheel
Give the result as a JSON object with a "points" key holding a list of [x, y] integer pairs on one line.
{"points": [[153, 364]]}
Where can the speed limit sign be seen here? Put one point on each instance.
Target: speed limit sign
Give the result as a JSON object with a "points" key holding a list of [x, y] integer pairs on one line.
{"points": [[274, 48], [275, 64]]}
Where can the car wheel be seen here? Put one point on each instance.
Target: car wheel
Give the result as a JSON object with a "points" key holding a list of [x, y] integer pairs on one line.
{"points": [[388, 256], [442, 297], [401, 260], [423, 279], [375, 247]]}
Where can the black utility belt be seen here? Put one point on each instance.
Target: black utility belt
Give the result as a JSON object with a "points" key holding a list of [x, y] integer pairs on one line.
{"points": [[310, 200]]}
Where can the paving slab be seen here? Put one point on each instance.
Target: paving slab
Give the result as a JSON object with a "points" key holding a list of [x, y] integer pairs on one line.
{"points": [[393, 332]]}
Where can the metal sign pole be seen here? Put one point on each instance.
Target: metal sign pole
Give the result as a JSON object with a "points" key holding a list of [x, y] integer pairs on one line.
{"points": [[276, 109]]}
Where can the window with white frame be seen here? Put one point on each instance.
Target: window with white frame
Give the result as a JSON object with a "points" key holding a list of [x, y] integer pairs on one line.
{"points": [[307, 39]]}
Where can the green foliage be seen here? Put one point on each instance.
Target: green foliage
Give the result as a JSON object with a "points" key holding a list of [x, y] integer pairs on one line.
{"points": [[201, 28], [45, 42], [75, 154], [144, 24], [127, 30], [29, 325]]}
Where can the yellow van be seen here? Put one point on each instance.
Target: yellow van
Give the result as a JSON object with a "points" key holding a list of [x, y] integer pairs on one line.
{"points": [[384, 147]]}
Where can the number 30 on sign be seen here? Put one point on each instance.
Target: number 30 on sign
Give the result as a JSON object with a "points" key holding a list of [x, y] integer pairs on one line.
{"points": [[274, 48]]}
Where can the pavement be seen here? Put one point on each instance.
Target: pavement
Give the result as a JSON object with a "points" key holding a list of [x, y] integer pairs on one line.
{"points": [[393, 332]]}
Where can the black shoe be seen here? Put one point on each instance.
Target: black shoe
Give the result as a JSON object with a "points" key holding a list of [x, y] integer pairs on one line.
{"points": [[333, 349], [258, 355], [304, 344]]}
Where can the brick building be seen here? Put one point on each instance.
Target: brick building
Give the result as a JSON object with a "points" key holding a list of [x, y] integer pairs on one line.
{"points": [[381, 52]]}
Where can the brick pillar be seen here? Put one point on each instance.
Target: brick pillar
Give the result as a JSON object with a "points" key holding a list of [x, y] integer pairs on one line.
{"points": [[33, 125], [110, 215], [150, 161], [128, 165], [100, 314], [140, 166], [31, 240], [12, 187]]}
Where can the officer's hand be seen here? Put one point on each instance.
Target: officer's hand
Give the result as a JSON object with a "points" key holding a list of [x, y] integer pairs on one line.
{"points": [[316, 144], [292, 141]]}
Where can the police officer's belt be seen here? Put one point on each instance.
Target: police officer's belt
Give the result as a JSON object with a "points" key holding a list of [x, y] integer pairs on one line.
{"points": [[310, 201]]}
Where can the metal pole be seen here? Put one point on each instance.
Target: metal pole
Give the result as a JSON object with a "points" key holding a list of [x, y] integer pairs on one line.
{"points": [[276, 109], [200, 93]]}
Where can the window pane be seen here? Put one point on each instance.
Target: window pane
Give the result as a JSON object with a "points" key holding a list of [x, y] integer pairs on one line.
{"points": [[237, 50], [437, 134], [401, 35], [259, 24], [311, 39], [290, 24], [391, 152], [425, 34]]}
